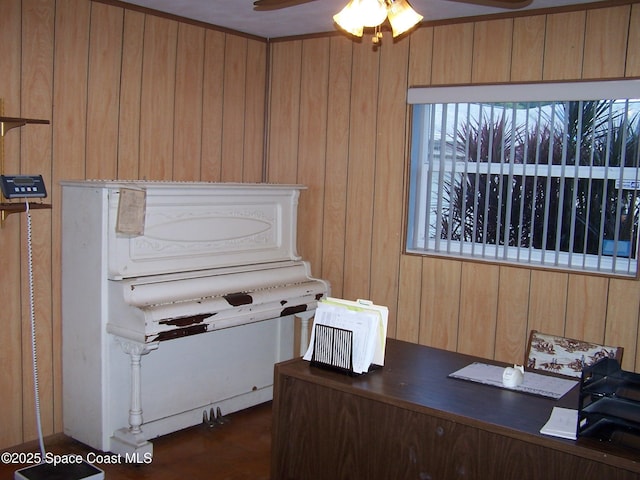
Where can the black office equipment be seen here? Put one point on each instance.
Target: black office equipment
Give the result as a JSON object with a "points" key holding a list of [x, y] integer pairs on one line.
{"points": [[23, 186], [609, 408]]}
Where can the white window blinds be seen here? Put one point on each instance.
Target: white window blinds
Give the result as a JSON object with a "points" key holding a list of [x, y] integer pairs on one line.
{"points": [[543, 174]]}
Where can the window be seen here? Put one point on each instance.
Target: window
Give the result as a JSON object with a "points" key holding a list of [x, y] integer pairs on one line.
{"points": [[537, 174]]}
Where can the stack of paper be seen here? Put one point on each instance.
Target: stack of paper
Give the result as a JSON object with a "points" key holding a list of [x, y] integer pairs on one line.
{"points": [[562, 423], [367, 321]]}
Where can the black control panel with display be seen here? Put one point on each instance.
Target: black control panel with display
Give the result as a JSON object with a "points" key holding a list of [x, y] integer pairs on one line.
{"points": [[23, 186]]}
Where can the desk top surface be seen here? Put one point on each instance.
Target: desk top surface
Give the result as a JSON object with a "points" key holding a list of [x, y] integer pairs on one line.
{"points": [[416, 377]]}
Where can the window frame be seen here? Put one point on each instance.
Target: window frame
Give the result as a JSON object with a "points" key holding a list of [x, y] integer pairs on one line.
{"points": [[505, 93]]}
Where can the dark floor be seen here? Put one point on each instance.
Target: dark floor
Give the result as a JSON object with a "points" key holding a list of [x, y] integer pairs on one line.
{"points": [[238, 450]]}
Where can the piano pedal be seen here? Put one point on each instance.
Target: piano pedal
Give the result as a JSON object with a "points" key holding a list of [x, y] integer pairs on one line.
{"points": [[212, 418], [207, 419], [220, 420]]}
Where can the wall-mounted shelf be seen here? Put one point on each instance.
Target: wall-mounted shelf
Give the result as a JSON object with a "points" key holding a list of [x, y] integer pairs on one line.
{"points": [[7, 209], [6, 124]]}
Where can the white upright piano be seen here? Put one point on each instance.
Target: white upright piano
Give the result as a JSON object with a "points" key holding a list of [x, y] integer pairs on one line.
{"points": [[177, 299]]}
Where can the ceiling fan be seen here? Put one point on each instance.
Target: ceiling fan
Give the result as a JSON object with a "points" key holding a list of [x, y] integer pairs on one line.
{"points": [[264, 5]]}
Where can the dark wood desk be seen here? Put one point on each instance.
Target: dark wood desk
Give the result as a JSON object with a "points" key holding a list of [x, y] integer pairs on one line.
{"points": [[409, 421]]}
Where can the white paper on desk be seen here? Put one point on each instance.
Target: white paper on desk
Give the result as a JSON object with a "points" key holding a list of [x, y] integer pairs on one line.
{"points": [[363, 321], [382, 314], [534, 383], [562, 423]]}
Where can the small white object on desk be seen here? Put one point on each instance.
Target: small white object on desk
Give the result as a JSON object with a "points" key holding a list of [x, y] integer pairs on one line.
{"points": [[513, 376]]}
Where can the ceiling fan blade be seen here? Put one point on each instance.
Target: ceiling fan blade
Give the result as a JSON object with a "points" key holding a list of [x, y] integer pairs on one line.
{"points": [[498, 3], [265, 5]]}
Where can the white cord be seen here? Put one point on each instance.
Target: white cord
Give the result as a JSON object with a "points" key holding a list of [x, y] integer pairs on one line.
{"points": [[33, 336]]}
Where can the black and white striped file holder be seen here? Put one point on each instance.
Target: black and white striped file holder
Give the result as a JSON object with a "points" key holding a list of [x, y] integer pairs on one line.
{"points": [[333, 349]]}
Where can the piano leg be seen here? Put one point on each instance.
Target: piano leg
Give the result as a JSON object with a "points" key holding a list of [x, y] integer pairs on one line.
{"points": [[130, 442], [304, 329]]}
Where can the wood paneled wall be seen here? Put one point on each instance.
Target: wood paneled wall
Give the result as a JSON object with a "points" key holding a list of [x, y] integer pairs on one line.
{"points": [[129, 96], [137, 96], [338, 123]]}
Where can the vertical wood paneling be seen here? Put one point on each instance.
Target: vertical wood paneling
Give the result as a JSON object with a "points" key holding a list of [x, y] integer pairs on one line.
{"points": [[10, 340], [389, 175], [564, 46], [11, 375], [70, 89], [68, 129], [492, 51], [632, 66], [410, 288], [364, 146], [122, 83], [284, 111], [452, 54], [547, 301], [233, 109], [105, 52], [586, 307], [187, 136], [158, 98], [622, 320], [35, 155], [420, 57], [212, 98], [528, 48], [605, 42], [254, 112], [314, 85], [440, 302], [336, 163], [479, 286], [130, 96], [511, 323], [361, 172], [11, 34]]}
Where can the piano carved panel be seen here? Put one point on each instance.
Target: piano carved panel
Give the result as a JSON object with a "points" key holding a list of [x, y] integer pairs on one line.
{"points": [[190, 226]]}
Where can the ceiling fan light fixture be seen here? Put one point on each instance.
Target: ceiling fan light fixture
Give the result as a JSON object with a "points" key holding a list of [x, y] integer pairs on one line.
{"points": [[372, 12], [348, 20], [358, 14], [402, 17], [361, 13]]}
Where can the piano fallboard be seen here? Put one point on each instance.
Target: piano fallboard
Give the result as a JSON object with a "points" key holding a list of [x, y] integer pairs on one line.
{"points": [[157, 309]]}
